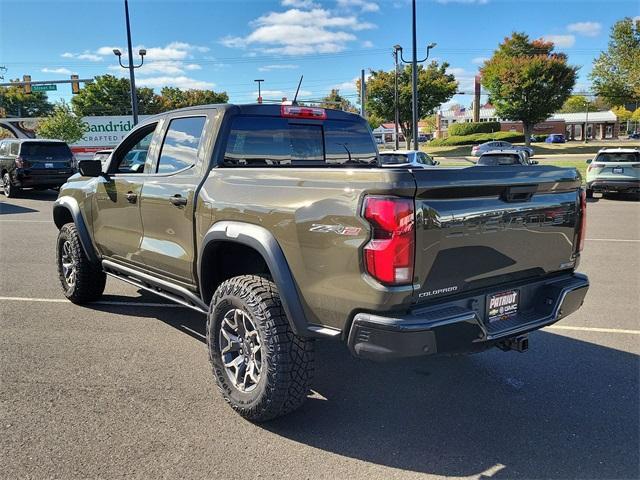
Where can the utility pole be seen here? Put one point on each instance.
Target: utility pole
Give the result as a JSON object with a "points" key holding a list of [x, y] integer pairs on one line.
{"points": [[586, 123], [259, 81], [363, 95], [131, 67]]}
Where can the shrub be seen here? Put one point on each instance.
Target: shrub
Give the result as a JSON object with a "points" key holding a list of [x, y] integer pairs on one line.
{"points": [[458, 129], [477, 138]]}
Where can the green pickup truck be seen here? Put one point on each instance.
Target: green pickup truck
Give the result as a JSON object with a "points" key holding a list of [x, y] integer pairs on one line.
{"points": [[279, 224]]}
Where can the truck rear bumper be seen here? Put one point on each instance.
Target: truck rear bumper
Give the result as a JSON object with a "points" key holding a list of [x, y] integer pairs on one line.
{"points": [[57, 178], [460, 326]]}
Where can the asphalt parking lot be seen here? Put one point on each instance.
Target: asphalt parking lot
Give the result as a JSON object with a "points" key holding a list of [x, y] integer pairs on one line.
{"points": [[123, 388]]}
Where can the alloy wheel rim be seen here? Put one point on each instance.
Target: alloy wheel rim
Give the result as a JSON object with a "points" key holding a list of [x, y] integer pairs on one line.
{"points": [[68, 265], [241, 350]]}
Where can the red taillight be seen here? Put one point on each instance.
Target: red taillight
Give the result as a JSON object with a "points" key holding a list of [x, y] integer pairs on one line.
{"points": [[583, 219], [389, 254], [293, 111]]}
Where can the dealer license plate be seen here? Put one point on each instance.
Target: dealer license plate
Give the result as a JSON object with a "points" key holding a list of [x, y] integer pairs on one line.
{"points": [[618, 170], [48, 165], [503, 305]]}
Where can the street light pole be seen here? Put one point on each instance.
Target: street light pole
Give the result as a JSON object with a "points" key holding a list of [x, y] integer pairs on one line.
{"points": [[414, 80], [396, 48], [259, 81], [132, 77]]}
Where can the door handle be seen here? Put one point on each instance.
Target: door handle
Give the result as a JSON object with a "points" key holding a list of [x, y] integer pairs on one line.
{"points": [[178, 200], [132, 197]]}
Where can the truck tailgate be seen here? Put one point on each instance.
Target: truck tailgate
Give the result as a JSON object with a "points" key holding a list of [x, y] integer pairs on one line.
{"points": [[480, 227]]}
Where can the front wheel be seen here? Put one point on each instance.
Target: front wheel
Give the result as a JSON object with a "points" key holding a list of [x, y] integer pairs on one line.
{"points": [[81, 280], [261, 367]]}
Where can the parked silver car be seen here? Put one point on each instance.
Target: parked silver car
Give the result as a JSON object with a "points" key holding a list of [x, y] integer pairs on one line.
{"points": [[478, 150], [408, 158]]}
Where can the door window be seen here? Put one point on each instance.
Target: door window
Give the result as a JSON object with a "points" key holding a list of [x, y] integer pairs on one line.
{"points": [[181, 143], [14, 147], [132, 156], [424, 159], [3, 148]]}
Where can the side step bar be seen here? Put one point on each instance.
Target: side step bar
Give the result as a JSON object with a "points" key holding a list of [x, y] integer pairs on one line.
{"points": [[155, 285]]}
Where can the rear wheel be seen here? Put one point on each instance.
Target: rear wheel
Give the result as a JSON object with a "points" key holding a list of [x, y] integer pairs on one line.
{"points": [[81, 280], [261, 367], [10, 190]]}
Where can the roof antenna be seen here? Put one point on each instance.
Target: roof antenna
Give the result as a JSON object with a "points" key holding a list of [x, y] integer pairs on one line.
{"points": [[297, 90]]}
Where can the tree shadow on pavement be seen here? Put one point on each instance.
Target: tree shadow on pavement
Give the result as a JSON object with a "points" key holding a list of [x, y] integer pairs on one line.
{"points": [[565, 409]]}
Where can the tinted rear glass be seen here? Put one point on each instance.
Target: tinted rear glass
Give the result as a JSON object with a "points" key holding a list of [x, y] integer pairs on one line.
{"points": [[618, 157], [274, 141], [45, 150], [499, 160], [393, 159]]}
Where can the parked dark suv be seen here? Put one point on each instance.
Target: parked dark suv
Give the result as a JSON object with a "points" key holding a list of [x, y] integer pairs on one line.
{"points": [[34, 163]]}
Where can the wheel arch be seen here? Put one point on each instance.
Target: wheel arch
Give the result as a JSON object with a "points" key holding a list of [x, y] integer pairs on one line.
{"points": [[66, 210], [261, 247]]}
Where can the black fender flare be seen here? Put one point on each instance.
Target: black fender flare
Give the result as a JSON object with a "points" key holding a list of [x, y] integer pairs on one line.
{"points": [[71, 205], [261, 240]]}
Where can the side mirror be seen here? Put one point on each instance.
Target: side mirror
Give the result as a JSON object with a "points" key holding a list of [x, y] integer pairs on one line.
{"points": [[90, 168], [590, 160]]}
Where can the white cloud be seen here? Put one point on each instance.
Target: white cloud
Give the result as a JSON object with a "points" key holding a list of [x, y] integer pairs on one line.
{"points": [[107, 50], [464, 77], [562, 41], [170, 81], [479, 60], [300, 32], [367, 44], [588, 29], [60, 71], [86, 55], [364, 5], [347, 87], [300, 4], [280, 66]]}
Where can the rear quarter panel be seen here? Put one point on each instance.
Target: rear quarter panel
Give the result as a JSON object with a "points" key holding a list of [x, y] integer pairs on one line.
{"points": [[314, 214]]}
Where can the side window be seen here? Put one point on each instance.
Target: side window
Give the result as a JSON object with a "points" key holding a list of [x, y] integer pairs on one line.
{"points": [[3, 148], [14, 147], [180, 147], [132, 155], [424, 159]]}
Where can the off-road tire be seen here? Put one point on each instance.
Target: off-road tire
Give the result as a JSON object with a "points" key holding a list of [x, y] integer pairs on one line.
{"points": [[90, 280], [9, 189], [287, 360]]}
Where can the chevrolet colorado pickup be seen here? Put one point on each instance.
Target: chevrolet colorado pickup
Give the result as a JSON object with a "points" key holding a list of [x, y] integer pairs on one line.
{"points": [[278, 223]]}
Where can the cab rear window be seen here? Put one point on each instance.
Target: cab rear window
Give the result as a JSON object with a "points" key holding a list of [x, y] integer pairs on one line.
{"points": [[492, 160], [282, 142], [45, 150], [618, 157]]}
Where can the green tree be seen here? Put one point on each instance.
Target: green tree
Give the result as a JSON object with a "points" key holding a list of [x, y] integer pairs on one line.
{"points": [[63, 124], [622, 113], [172, 98], [527, 80], [636, 115], [435, 86], [109, 95], [616, 72], [374, 121], [337, 101], [14, 102], [577, 103]]}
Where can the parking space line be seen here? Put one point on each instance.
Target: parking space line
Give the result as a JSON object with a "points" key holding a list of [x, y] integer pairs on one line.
{"points": [[610, 240], [175, 305], [18, 220], [594, 329], [99, 302]]}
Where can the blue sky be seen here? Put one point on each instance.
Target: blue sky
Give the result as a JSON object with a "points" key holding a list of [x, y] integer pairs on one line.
{"points": [[225, 45]]}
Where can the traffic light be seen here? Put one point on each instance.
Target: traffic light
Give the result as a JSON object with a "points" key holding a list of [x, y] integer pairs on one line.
{"points": [[75, 85], [27, 83]]}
